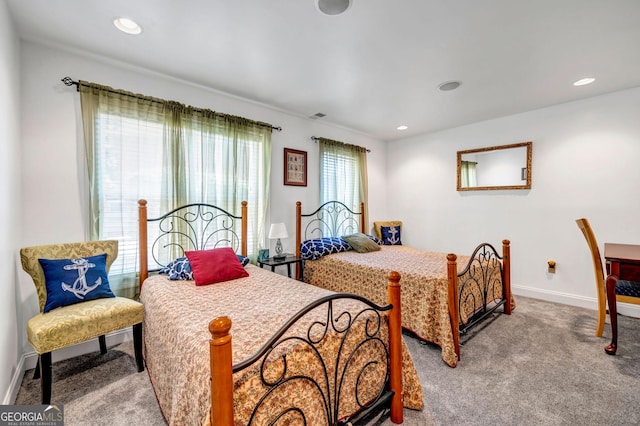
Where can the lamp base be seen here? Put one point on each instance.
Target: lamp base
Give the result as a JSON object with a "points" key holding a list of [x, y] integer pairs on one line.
{"points": [[279, 255]]}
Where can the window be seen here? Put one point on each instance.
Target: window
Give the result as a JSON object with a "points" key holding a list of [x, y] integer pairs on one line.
{"points": [[170, 155], [343, 173]]}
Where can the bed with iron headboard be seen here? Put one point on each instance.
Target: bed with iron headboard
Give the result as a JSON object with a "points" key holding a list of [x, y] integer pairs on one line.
{"points": [[261, 348], [443, 295]]}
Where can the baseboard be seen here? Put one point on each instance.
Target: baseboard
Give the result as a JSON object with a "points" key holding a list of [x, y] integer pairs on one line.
{"points": [[29, 360], [626, 309], [16, 381]]}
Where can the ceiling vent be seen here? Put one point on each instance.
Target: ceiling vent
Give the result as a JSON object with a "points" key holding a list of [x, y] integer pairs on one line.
{"points": [[317, 115], [333, 7]]}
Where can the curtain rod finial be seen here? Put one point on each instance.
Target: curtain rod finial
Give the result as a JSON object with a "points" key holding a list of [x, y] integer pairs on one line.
{"points": [[68, 81]]}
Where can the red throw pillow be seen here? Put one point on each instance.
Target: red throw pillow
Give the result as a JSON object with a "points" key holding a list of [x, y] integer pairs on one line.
{"points": [[215, 265]]}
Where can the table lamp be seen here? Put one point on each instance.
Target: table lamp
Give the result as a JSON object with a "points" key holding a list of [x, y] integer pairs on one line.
{"points": [[277, 231]]}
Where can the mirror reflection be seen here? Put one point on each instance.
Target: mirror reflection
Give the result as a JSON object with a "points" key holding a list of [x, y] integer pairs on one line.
{"points": [[496, 167]]}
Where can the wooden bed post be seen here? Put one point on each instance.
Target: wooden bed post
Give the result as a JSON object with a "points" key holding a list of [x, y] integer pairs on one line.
{"points": [[142, 241], [363, 219], [298, 236], [395, 347], [221, 372], [506, 271], [454, 314], [243, 247]]}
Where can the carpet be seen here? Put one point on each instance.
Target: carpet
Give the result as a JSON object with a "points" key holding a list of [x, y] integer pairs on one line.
{"points": [[540, 366]]}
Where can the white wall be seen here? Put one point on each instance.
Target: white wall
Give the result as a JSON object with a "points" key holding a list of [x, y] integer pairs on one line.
{"points": [[54, 183], [10, 370], [585, 164]]}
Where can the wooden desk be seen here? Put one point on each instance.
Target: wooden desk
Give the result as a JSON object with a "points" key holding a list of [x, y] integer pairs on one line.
{"points": [[623, 263]]}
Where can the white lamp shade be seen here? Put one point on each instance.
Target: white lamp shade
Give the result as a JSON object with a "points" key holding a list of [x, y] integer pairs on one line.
{"points": [[278, 230]]}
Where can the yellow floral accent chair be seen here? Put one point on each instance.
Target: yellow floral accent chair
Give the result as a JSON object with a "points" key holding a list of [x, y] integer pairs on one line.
{"points": [[68, 325]]}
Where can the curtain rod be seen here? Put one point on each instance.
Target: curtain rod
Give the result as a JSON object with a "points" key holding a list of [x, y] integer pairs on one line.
{"points": [[68, 81], [316, 139]]}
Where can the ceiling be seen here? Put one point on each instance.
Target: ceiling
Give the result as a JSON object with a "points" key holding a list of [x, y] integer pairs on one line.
{"points": [[373, 68]]}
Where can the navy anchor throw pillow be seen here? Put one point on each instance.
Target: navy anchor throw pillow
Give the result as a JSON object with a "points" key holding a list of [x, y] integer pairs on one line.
{"points": [[391, 235], [72, 281]]}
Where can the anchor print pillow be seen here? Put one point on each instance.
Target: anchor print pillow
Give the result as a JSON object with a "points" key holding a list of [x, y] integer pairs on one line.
{"points": [[391, 235], [72, 281]]}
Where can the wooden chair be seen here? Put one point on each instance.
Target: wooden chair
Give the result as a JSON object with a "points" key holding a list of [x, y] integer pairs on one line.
{"points": [[72, 324], [585, 227]]}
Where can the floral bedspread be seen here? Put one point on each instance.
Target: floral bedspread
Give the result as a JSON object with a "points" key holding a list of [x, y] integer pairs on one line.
{"points": [[424, 286], [176, 350]]}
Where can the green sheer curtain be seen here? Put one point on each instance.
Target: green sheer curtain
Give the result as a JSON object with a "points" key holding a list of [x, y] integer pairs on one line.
{"points": [[169, 154], [343, 174]]}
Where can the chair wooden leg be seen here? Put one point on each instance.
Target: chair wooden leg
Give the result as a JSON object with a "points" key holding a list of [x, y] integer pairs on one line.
{"points": [[36, 372], [137, 345], [46, 377], [612, 281], [602, 310], [103, 344]]}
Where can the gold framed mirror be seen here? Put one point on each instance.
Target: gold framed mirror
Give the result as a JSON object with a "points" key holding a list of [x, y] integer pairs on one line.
{"points": [[495, 167]]}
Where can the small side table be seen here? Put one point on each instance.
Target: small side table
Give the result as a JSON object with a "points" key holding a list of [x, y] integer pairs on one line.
{"points": [[288, 260]]}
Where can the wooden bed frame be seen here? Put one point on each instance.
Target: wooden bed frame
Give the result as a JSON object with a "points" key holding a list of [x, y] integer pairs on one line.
{"points": [[221, 368], [334, 219]]}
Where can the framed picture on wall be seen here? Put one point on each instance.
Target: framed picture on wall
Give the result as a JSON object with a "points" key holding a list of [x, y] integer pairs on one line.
{"points": [[295, 167]]}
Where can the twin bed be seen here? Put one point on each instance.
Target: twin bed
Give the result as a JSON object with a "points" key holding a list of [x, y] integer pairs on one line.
{"points": [[295, 354], [443, 295], [266, 349]]}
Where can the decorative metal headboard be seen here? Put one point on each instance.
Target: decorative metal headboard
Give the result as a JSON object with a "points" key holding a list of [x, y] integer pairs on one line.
{"points": [[197, 226], [332, 219]]}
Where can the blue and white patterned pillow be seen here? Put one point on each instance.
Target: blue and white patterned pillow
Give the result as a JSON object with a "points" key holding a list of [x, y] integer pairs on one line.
{"points": [[391, 235], [316, 248], [375, 239], [180, 269]]}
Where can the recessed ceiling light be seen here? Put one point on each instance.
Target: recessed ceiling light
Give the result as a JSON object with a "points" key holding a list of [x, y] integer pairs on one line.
{"points": [[127, 25], [333, 7], [449, 85], [584, 81], [402, 127]]}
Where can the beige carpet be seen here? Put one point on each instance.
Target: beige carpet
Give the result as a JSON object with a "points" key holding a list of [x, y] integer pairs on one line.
{"points": [[99, 389]]}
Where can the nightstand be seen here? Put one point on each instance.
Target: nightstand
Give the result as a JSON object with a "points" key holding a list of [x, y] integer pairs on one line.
{"points": [[288, 260]]}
